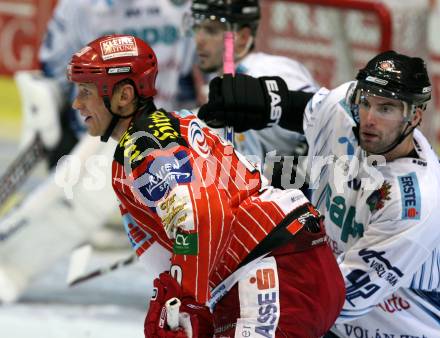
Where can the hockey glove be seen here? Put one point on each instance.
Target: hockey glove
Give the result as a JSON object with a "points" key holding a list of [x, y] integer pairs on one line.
{"points": [[245, 102], [194, 320]]}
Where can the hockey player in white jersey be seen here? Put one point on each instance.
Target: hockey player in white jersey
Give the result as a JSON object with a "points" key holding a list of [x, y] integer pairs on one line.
{"points": [[47, 225], [378, 191], [209, 27]]}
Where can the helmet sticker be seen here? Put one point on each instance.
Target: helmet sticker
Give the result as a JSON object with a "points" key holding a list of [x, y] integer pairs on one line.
{"points": [[83, 51], [118, 47], [119, 70], [427, 89], [376, 80], [388, 66]]}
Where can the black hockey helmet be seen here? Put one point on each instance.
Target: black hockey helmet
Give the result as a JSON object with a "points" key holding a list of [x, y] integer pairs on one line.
{"points": [[396, 76], [240, 12]]}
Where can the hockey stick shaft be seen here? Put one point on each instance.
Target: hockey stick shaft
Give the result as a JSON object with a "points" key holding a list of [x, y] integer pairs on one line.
{"points": [[172, 307], [104, 270], [229, 68], [20, 168]]}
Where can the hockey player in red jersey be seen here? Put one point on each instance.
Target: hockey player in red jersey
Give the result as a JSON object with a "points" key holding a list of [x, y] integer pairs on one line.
{"points": [[245, 259]]}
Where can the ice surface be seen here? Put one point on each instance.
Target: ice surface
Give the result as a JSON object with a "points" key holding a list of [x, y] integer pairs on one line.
{"points": [[109, 306]]}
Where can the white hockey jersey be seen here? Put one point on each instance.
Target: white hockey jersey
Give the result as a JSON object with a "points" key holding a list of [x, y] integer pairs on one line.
{"points": [[382, 222], [259, 142], [76, 23]]}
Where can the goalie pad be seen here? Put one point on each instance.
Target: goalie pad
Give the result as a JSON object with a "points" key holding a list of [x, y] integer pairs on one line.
{"points": [[59, 215], [42, 101]]}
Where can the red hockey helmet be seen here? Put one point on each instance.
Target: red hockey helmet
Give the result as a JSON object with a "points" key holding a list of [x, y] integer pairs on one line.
{"points": [[112, 58]]}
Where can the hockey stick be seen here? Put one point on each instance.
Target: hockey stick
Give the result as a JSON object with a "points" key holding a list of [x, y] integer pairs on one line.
{"points": [[228, 65], [20, 168], [172, 306], [103, 270]]}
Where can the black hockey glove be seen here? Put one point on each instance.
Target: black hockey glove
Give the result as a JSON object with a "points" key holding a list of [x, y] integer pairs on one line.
{"points": [[245, 102]]}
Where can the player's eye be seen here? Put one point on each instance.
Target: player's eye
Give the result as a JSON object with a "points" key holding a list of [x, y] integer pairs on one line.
{"points": [[83, 93], [387, 109], [363, 102]]}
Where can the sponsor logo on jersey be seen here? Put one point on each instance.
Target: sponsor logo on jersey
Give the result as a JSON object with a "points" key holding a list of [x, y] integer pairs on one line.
{"points": [[259, 297], [376, 200], [130, 148], [176, 211], [197, 139], [118, 47], [350, 147], [275, 100], [161, 126], [359, 286], [358, 331], [384, 269], [268, 302], [343, 215], [410, 194], [186, 244], [394, 304], [162, 174]]}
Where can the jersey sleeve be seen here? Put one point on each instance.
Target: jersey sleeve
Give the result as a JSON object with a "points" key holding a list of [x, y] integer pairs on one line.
{"points": [[392, 252], [295, 74], [324, 113], [299, 78]]}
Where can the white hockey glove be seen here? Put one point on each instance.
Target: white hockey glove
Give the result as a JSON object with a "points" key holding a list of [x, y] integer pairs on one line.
{"points": [[42, 102]]}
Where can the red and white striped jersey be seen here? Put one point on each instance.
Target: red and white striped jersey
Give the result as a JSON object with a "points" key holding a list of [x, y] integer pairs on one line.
{"points": [[184, 187]]}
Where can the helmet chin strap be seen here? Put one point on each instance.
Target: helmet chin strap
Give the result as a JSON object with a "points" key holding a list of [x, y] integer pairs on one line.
{"points": [[114, 121], [399, 139], [356, 129]]}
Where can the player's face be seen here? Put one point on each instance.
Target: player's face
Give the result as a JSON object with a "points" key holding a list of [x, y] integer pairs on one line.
{"points": [[209, 45], [91, 107], [381, 122]]}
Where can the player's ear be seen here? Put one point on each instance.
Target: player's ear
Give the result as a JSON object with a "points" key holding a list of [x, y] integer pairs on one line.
{"points": [[243, 38], [417, 117], [125, 95]]}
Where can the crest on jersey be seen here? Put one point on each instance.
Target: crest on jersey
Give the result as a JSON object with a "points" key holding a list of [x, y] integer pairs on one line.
{"points": [[118, 47], [377, 199]]}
